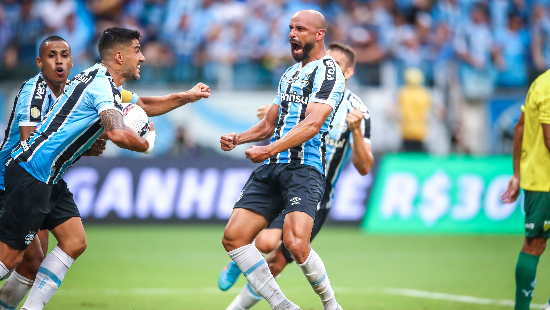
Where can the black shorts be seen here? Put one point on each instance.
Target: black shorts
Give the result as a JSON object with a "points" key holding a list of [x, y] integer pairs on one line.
{"points": [[277, 189], [31, 205], [317, 224]]}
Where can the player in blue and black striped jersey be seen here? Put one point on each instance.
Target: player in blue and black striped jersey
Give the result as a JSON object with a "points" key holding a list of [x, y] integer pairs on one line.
{"points": [[89, 105], [292, 180], [350, 135]]}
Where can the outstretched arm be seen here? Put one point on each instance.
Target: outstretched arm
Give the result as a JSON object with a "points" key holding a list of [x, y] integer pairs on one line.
{"points": [[120, 135], [259, 132], [158, 105], [316, 115], [512, 192]]}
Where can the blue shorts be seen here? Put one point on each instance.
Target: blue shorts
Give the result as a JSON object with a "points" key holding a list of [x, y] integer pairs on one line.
{"points": [[276, 189]]}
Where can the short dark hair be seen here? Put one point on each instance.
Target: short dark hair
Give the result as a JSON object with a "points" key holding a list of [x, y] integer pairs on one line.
{"points": [[346, 49], [48, 40], [115, 36]]}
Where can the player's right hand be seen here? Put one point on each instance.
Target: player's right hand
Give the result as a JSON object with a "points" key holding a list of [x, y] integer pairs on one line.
{"points": [[512, 192], [97, 148], [229, 141], [262, 111]]}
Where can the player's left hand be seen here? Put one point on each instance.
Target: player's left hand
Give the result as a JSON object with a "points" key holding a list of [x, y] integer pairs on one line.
{"points": [[257, 154], [198, 92], [97, 148], [512, 192], [354, 119]]}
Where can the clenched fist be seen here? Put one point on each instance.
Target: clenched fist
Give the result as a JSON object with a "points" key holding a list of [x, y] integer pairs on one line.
{"points": [[229, 141]]}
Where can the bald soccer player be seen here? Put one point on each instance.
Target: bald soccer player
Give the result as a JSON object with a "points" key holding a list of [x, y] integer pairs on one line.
{"points": [[292, 179]]}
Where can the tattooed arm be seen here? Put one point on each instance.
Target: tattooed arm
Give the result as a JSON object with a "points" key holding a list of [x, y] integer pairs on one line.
{"points": [[120, 135]]}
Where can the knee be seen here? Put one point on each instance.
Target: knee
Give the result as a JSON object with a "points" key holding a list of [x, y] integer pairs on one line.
{"points": [[534, 246], [265, 245], [299, 248], [230, 241], [73, 247]]}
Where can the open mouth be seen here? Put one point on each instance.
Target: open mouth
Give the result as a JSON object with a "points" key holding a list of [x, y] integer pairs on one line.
{"points": [[59, 71], [138, 68], [296, 47]]}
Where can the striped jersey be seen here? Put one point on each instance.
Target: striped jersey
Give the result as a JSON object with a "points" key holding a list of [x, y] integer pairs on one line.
{"points": [[70, 127], [340, 141], [33, 101], [319, 81]]}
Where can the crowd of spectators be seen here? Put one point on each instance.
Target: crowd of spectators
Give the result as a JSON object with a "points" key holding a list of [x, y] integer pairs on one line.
{"points": [[244, 43]]}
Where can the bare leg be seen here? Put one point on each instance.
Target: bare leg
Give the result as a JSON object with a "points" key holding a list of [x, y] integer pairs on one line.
{"points": [[268, 239]]}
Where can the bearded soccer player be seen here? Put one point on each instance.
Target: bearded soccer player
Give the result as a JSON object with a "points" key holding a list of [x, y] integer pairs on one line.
{"points": [[349, 135], [34, 100], [89, 106], [531, 158], [292, 180]]}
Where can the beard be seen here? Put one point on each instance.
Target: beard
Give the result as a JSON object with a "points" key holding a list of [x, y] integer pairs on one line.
{"points": [[306, 50], [130, 74]]}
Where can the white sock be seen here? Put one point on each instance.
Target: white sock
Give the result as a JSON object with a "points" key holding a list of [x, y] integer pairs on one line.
{"points": [[13, 291], [314, 270], [255, 269], [3, 271], [246, 299], [49, 278]]}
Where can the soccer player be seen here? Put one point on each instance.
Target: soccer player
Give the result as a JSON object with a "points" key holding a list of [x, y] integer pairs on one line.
{"points": [[89, 106], [292, 179], [35, 98], [349, 135], [531, 159]]}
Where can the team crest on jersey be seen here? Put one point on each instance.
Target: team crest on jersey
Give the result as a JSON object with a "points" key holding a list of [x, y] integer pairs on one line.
{"points": [[304, 81], [29, 237], [35, 112]]}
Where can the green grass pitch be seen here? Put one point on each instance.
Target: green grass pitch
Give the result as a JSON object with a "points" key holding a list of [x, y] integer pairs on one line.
{"points": [[176, 267]]}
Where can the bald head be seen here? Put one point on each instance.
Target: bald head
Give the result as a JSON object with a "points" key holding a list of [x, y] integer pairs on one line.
{"points": [[313, 18]]}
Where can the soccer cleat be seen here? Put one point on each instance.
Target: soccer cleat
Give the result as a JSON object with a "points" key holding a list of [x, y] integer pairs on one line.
{"points": [[229, 276], [287, 305], [546, 306]]}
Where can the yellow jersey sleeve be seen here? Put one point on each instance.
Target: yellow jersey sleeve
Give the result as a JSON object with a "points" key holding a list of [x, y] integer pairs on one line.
{"points": [[128, 96], [544, 111]]}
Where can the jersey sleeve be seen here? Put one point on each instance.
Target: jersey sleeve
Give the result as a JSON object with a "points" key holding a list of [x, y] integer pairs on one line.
{"points": [[25, 113], [328, 84], [105, 95], [544, 111], [128, 96]]}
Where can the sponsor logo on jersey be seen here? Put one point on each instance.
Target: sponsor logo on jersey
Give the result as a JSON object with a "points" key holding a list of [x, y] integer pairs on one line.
{"points": [[546, 225], [118, 99], [40, 90], [294, 98], [295, 201], [336, 143], [35, 112], [25, 145], [240, 196], [529, 225], [331, 70], [83, 78]]}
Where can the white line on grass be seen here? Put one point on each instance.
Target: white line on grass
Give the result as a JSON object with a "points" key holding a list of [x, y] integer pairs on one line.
{"points": [[339, 290]]}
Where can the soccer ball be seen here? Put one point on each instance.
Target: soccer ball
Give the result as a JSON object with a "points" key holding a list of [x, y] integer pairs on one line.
{"points": [[136, 118]]}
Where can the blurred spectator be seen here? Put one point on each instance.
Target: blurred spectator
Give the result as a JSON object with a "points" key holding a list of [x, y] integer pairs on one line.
{"points": [[28, 30], [5, 36], [514, 45], [414, 106], [540, 32], [54, 13], [78, 39], [475, 49]]}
